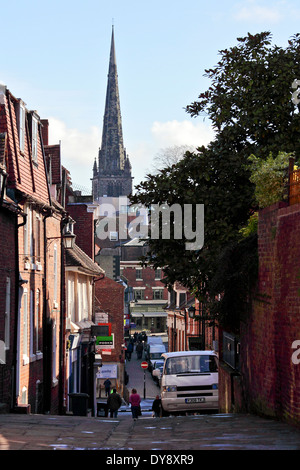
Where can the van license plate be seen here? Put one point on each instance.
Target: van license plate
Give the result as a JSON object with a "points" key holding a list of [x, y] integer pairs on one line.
{"points": [[194, 400]]}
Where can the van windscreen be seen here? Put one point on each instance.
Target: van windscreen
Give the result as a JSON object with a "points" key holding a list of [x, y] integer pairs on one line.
{"points": [[191, 364]]}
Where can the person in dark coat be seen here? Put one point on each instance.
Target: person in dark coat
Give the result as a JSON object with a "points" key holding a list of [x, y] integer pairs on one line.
{"points": [[114, 402], [139, 350], [156, 407], [129, 350], [107, 385]]}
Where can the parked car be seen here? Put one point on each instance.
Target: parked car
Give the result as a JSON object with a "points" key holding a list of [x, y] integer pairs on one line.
{"points": [[157, 371]]}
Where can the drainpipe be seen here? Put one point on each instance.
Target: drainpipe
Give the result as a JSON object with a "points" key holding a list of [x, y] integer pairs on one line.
{"points": [[62, 332], [46, 347]]}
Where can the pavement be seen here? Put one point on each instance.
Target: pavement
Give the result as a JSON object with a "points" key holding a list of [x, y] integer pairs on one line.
{"points": [[177, 435]]}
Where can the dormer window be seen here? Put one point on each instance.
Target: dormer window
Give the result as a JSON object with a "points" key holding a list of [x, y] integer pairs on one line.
{"points": [[22, 126], [34, 138]]}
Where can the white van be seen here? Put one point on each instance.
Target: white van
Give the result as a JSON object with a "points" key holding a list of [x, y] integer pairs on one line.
{"points": [[155, 352], [190, 381], [152, 341]]}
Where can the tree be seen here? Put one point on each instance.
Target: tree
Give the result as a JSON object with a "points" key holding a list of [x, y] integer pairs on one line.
{"points": [[249, 101], [170, 156], [249, 104], [270, 177]]}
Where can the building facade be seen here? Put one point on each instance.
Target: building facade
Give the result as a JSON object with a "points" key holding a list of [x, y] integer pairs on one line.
{"points": [[37, 318]]}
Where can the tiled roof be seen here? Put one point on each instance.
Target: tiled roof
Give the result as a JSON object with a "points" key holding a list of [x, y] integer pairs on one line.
{"points": [[75, 257]]}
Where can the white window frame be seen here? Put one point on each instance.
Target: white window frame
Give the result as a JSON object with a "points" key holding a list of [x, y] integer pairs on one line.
{"points": [[31, 324], [37, 318], [25, 327], [71, 297], [138, 274]]}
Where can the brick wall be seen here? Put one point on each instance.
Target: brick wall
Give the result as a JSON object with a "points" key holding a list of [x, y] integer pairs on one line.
{"points": [[111, 298], [83, 228], [7, 271], [271, 381]]}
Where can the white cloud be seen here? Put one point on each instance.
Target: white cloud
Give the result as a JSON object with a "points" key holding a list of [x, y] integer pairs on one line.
{"points": [[167, 134], [79, 149], [251, 10], [164, 135]]}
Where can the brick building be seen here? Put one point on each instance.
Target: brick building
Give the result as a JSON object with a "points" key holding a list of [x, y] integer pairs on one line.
{"points": [[38, 254], [150, 294], [9, 211], [187, 333]]}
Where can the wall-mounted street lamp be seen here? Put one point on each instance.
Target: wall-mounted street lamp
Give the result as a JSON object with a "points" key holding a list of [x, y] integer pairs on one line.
{"points": [[191, 311], [68, 239]]}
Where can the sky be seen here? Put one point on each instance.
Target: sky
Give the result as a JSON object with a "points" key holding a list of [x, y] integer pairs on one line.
{"points": [[55, 57]]}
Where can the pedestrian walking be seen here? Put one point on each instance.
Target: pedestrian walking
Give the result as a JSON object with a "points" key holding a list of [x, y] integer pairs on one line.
{"points": [[156, 407], [114, 402], [135, 401], [107, 385], [129, 350], [139, 350]]}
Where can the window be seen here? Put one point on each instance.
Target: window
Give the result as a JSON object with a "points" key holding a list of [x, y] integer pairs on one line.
{"points": [[55, 270], [71, 298], [34, 138], [139, 294], [37, 319], [113, 236], [158, 273], [157, 294], [25, 327], [38, 238], [188, 364], [138, 274], [7, 314], [83, 299], [31, 324]]}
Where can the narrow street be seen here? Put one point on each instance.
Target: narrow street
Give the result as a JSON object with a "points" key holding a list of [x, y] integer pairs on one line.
{"points": [[147, 389]]}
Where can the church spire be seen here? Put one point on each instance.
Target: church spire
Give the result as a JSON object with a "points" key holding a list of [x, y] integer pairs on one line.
{"points": [[112, 149], [113, 178]]}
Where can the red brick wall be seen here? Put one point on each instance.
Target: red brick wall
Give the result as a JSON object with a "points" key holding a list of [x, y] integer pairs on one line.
{"points": [[148, 280], [271, 379], [7, 270], [111, 298], [83, 228]]}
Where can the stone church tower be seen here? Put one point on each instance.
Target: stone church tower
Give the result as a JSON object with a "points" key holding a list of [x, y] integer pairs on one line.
{"points": [[112, 175]]}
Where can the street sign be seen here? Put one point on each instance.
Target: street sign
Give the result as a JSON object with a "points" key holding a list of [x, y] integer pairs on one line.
{"points": [[144, 365]]}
